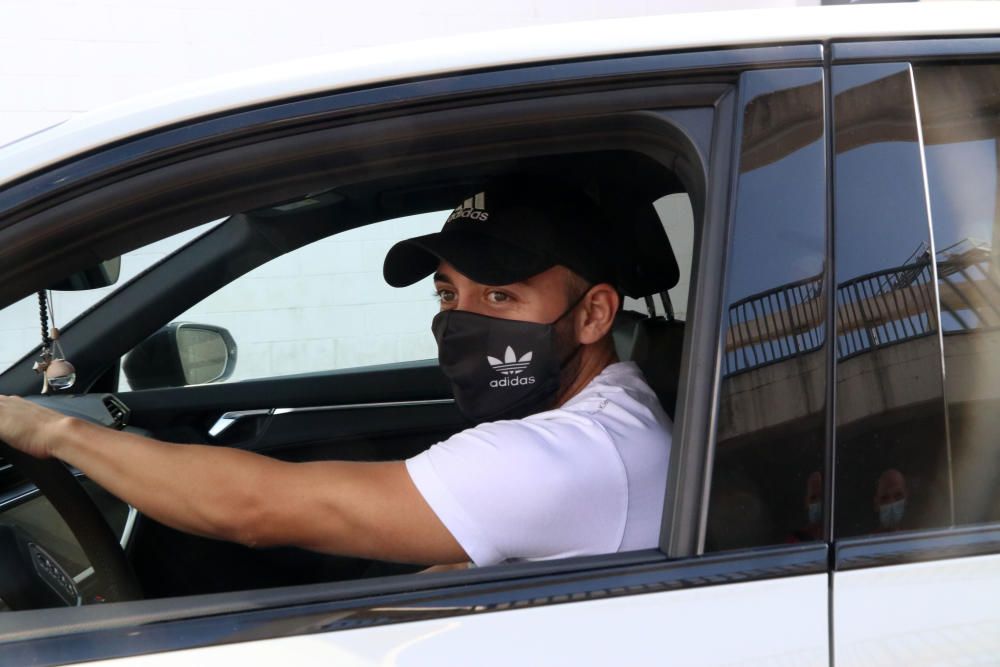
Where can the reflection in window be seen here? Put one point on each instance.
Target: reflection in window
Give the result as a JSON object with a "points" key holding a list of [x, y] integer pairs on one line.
{"points": [[960, 118], [891, 442], [767, 478]]}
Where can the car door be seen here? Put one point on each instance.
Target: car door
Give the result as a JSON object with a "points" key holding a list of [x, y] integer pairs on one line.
{"points": [[750, 148], [916, 512]]}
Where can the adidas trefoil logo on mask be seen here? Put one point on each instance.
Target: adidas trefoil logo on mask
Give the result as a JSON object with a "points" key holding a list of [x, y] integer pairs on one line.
{"points": [[510, 367]]}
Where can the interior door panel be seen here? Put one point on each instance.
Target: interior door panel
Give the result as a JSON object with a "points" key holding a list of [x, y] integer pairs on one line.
{"points": [[382, 413]]}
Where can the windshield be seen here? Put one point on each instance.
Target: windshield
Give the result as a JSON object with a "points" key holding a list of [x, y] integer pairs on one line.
{"points": [[20, 330]]}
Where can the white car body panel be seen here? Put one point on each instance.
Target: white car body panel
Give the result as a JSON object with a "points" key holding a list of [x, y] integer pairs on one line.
{"points": [[366, 67], [776, 621], [943, 612]]}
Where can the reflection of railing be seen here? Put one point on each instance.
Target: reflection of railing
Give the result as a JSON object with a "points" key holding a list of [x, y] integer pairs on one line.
{"points": [[775, 325], [970, 291], [875, 310], [884, 308]]}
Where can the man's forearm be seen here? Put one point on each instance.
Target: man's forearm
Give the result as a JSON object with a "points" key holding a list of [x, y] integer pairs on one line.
{"points": [[370, 510], [210, 491]]}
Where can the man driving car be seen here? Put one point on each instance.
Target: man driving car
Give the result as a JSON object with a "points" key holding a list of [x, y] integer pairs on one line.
{"points": [[568, 454]]}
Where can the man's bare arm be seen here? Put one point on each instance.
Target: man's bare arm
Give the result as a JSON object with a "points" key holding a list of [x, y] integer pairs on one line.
{"points": [[370, 510]]}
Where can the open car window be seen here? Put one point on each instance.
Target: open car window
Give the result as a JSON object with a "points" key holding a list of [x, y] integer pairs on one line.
{"points": [[325, 348]]}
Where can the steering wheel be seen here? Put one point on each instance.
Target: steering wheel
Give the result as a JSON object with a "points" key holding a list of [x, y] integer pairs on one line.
{"points": [[114, 579]]}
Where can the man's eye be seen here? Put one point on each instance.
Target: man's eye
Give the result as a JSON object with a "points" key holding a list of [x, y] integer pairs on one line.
{"points": [[497, 297], [445, 295]]}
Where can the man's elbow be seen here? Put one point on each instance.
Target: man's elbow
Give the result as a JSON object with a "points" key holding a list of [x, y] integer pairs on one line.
{"points": [[259, 521], [241, 520]]}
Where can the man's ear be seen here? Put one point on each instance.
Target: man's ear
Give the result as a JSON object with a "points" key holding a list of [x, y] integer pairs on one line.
{"points": [[598, 313]]}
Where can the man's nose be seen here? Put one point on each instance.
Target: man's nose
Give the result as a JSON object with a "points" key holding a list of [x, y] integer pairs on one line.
{"points": [[468, 303]]}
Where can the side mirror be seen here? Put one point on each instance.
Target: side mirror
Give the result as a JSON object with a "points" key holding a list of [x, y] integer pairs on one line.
{"points": [[181, 354], [104, 274]]}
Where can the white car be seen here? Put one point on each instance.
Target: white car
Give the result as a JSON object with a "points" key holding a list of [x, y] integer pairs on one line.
{"points": [[826, 180]]}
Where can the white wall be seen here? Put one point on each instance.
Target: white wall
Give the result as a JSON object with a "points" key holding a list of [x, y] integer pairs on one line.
{"points": [[58, 59], [62, 58]]}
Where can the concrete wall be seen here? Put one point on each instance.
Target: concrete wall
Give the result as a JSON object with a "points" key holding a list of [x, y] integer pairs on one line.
{"points": [[884, 381]]}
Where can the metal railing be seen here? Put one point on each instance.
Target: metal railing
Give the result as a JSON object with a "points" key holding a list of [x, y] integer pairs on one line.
{"points": [[775, 325], [875, 310], [885, 308]]}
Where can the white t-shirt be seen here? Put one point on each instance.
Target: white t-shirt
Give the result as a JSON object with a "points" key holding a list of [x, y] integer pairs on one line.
{"points": [[585, 478]]}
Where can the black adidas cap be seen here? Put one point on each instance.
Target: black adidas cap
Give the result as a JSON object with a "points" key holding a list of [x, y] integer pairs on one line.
{"points": [[510, 231]]}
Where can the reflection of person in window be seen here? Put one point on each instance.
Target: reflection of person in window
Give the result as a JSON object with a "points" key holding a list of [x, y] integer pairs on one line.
{"points": [[890, 500], [813, 528], [568, 457]]}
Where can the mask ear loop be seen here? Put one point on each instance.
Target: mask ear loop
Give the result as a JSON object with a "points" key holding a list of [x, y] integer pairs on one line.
{"points": [[576, 349], [573, 305]]}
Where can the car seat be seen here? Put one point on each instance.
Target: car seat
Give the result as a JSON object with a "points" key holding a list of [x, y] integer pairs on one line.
{"points": [[648, 268], [654, 343]]}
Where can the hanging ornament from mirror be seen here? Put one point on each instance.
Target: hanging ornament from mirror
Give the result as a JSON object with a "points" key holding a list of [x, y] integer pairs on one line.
{"points": [[57, 373], [60, 374]]}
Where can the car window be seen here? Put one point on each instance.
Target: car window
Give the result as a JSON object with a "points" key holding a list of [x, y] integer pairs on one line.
{"points": [[961, 136], [19, 328], [767, 477], [891, 438], [325, 306]]}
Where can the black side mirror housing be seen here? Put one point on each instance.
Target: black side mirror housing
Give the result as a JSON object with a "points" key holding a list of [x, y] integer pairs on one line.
{"points": [[181, 354]]}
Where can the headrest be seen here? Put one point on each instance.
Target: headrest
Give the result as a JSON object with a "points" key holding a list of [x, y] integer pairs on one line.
{"points": [[646, 265]]}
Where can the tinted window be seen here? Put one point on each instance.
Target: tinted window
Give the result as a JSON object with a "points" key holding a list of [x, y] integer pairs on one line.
{"points": [[768, 469], [960, 118], [891, 444]]}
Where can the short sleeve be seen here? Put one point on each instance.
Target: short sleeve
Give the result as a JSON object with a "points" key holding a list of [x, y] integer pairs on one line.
{"points": [[527, 489]]}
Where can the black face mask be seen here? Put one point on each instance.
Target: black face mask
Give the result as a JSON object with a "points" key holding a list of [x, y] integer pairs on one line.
{"points": [[499, 369]]}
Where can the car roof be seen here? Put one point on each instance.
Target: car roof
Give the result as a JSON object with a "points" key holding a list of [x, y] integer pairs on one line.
{"points": [[521, 46]]}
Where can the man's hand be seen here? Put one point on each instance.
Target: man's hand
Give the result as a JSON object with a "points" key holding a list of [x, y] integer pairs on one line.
{"points": [[27, 426]]}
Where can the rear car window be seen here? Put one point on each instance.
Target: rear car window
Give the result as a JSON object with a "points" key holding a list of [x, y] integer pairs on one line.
{"points": [[961, 132]]}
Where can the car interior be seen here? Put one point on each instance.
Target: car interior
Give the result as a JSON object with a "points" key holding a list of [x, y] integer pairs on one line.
{"points": [[383, 412]]}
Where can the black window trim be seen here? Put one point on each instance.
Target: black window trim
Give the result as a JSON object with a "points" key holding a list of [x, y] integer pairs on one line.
{"points": [[914, 50], [686, 501], [916, 546]]}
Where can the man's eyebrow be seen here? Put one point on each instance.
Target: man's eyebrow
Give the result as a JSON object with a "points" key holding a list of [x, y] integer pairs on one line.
{"points": [[441, 277]]}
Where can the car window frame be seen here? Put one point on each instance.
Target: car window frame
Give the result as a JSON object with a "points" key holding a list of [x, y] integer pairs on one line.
{"points": [[694, 403], [946, 542]]}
